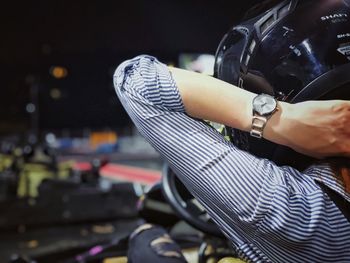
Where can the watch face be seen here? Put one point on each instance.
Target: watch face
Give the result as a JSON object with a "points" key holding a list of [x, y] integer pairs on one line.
{"points": [[264, 104]]}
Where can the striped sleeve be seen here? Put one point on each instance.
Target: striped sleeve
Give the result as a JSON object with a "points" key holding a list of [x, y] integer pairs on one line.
{"points": [[270, 213]]}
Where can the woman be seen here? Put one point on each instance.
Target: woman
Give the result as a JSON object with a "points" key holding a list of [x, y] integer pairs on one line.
{"points": [[270, 213]]}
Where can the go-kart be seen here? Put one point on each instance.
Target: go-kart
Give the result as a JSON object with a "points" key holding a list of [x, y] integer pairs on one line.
{"points": [[169, 204]]}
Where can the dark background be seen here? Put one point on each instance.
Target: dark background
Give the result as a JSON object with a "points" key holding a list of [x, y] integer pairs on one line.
{"points": [[90, 38]]}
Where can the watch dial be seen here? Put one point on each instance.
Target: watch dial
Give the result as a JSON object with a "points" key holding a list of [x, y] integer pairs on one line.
{"points": [[264, 104]]}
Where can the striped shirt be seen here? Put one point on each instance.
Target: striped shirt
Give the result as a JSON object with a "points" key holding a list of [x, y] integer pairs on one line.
{"points": [[269, 213]]}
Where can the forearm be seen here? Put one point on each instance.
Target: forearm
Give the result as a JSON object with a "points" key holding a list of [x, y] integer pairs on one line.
{"points": [[208, 98], [315, 128]]}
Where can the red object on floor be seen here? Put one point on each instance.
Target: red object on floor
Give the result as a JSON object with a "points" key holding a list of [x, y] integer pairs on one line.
{"points": [[82, 166], [130, 174]]}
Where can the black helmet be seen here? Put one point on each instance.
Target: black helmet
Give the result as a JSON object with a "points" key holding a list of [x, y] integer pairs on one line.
{"points": [[297, 50]]}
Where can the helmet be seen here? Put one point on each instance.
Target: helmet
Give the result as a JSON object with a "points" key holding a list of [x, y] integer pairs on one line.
{"points": [[296, 50]]}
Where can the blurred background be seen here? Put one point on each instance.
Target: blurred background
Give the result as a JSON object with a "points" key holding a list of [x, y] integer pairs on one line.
{"points": [[72, 166], [69, 50]]}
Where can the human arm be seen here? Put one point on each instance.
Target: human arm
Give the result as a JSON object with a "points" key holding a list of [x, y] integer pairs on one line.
{"points": [[315, 128]]}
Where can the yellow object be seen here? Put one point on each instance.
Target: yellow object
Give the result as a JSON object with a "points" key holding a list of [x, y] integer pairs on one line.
{"points": [[190, 254], [100, 138], [32, 244], [5, 162], [32, 175], [116, 260], [231, 260], [30, 178]]}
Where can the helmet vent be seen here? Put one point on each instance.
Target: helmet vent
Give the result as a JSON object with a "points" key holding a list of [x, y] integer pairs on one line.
{"points": [[283, 11], [267, 23], [274, 16]]}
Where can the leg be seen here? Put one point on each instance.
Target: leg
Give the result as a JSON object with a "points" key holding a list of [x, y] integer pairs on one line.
{"points": [[150, 243]]}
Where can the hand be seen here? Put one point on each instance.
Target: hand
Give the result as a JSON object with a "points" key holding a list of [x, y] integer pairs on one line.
{"points": [[316, 128]]}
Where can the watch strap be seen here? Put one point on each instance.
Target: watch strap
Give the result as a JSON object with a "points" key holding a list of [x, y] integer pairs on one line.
{"points": [[258, 125]]}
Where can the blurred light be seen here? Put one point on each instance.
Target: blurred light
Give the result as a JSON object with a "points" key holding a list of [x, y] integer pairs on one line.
{"points": [[32, 244], [18, 152], [50, 138], [30, 108], [55, 94], [58, 72]]}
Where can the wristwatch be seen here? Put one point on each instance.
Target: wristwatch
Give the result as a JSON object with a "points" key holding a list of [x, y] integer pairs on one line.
{"points": [[264, 106]]}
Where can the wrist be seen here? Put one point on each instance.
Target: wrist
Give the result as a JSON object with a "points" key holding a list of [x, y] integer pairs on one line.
{"points": [[280, 124]]}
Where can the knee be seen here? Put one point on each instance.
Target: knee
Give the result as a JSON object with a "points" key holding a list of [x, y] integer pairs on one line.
{"points": [[149, 243]]}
